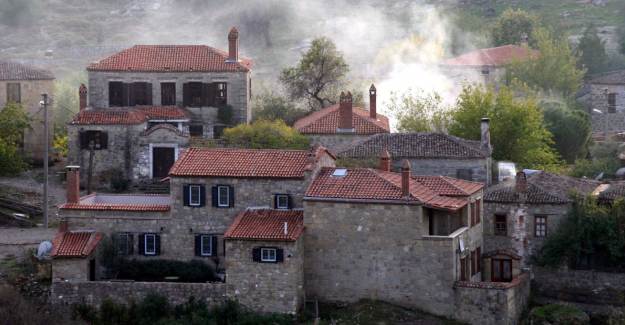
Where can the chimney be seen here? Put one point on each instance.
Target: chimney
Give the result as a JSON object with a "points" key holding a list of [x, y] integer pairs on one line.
{"points": [[73, 184], [520, 185], [485, 135], [373, 113], [63, 225], [82, 95], [345, 112], [385, 161], [233, 45], [405, 178]]}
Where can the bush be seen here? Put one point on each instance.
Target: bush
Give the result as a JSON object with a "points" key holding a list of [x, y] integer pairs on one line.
{"points": [[119, 183], [559, 315], [155, 270], [265, 134]]}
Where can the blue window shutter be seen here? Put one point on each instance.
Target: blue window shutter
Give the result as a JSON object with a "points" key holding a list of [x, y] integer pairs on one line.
{"points": [[214, 194], [142, 244], [279, 255], [290, 202], [198, 245], [214, 246], [231, 192], [256, 254], [157, 244], [202, 195], [185, 195]]}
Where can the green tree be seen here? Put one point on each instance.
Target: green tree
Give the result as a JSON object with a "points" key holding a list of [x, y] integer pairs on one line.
{"points": [[318, 76], [603, 159], [418, 112], [513, 26], [66, 100], [13, 122], [591, 51], [516, 126], [265, 134], [272, 106], [571, 130], [554, 69]]}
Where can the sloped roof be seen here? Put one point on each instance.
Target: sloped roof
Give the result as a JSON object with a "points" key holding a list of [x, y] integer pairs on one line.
{"points": [[171, 58], [75, 244], [612, 191], [494, 56], [366, 184], [414, 145], [121, 202], [128, 115], [244, 163], [610, 78], [326, 121], [267, 224], [17, 71]]}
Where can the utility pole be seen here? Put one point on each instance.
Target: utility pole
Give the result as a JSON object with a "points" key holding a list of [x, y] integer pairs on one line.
{"points": [[44, 103]]}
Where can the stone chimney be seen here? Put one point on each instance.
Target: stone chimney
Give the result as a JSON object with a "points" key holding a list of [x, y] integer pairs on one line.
{"points": [[345, 112], [63, 225], [520, 185], [373, 113], [405, 178], [73, 184], [82, 95], [485, 135], [233, 45], [385, 161]]}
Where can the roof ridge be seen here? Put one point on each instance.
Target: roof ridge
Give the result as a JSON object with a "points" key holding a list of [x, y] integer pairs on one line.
{"points": [[379, 173]]}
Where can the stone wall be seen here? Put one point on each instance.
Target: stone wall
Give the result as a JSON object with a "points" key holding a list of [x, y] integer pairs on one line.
{"points": [[607, 122], [335, 142], [30, 91], [238, 90], [93, 293], [491, 303], [579, 286], [521, 228], [266, 287], [142, 150], [70, 269], [448, 167]]}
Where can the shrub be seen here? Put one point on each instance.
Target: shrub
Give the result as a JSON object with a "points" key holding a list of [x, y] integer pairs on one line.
{"points": [[265, 134], [559, 314]]}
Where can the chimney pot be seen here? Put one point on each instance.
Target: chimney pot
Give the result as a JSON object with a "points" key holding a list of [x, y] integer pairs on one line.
{"points": [[82, 95], [385, 161], [233, 45], [73, 184], [372, 102], [345, 112], [405, 178]]}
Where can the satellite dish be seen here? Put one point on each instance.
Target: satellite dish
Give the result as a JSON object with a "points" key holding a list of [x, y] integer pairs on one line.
{"points": [[44, 250]]}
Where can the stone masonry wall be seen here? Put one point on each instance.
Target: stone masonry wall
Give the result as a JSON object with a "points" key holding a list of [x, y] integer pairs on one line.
{"points": [[71, 269], [610, 122], [141, 150], [521, 228], [335, 142], [30, 91], [266, 287], [447, 167]]}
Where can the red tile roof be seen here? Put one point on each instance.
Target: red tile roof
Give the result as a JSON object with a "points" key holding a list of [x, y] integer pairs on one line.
{"points": [[121, 202], [171, 58], [75, 244], [128, 115], [17, 71], [326, 121], [244, 163], [267, 224], [495, 56], [365, 184]]}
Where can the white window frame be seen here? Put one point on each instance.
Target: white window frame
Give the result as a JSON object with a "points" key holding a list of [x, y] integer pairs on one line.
{"points": [[283, 196], [199, 198], [145, 244], [269, 258], [219, 189], [210, 245]]}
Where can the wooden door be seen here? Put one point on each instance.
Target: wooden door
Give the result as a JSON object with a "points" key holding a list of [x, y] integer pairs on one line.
{"points": [[501, 270], [162, 160]]}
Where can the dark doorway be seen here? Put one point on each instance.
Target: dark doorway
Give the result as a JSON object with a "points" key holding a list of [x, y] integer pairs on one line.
{"points": [[501, 270], [91, 270], [162, 160]]}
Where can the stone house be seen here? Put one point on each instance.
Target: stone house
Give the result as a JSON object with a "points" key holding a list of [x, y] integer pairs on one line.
{"points": [[341, 124], [429, 153], [148, 100], [24, 85], [519, 214], [607, 102]]}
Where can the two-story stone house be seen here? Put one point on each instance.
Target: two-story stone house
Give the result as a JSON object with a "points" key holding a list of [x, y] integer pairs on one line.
{"points": [[607, 101], [24, 85], [144, 103]]}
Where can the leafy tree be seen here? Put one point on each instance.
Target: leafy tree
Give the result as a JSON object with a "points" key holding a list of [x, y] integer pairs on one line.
{"points": [[591, 51], [418, 112], [13, 122], [66, 100], [554, 69], [265, 134], [513, 26], [571, 130], [271, 106], [516, 125], [603, 159], [318, 76]]}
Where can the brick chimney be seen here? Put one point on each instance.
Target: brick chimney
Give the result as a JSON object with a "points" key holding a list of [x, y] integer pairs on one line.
{"points": [[520, 185], [385, 161], [485, 135], [345, 112], [233, 45], [73, 184], [373, 113], [82, 95], [63, 225], [405, 178]]}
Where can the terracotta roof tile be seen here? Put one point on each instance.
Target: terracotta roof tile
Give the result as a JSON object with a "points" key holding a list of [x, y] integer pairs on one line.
{"points": [[448, 186], [171, 58], [128, 115], [75, 244], [267, 224], [17, 71], [495, 56], [121, 202], [326, 121], [244, 163]]}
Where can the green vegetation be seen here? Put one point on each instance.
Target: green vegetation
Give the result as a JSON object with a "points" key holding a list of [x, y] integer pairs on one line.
{"points": [[225, 114], [418, 112], [559, 315], [13, 122], [265, 135], [603, 159], [591, 52], [318, 76], [514, 26], [571, 130], [66, 100], [272, 106]]}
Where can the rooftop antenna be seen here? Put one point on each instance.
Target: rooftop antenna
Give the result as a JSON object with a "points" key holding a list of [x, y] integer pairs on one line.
{"points": [[286, 228]]}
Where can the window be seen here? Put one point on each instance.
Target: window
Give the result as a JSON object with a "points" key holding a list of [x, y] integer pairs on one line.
{"points": [[485, 71], [282, 201], [149, 244], [478, 211], [472, 213], [223, 196], [14, 92], [99, 139], [192, 93], [268, 254], [464, 173], [478, 262], [195, 192], [611, 103], [205, 245], [130, 94], [124, 243], [196, 130], [501, 225], [221, 96], [141, 94], [118, 95], [168, 93], [196, 94], [473, 263], [501, 270], [540, 226]]}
